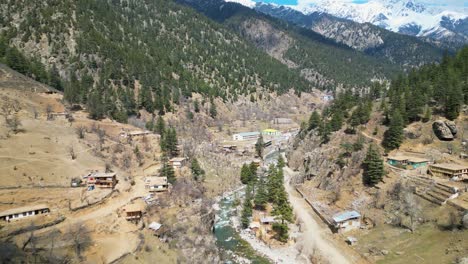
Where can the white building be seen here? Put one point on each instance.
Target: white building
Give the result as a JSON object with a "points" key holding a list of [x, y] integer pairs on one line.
{"points": [[246, 136], [177, 163], [22, 212], [156, 184]]}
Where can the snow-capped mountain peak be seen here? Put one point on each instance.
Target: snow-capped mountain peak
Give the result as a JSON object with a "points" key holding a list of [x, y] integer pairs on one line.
{"points": [[405, 16]]}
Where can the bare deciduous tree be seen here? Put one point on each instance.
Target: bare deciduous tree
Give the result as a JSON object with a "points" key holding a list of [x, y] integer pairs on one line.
{"points": [[80, 236], [80, 131], [71, 151], [411, 208], [70, 119], [126, 161], [35, 112], [49, 112]]}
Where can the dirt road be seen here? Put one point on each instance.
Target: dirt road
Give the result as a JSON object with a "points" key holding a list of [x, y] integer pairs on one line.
{"points": [[313, 238]]}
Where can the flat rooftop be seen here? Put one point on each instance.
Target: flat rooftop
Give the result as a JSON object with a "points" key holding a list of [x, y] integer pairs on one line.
{"points": [[24, 209], [411, 159], [345, 216], [450, 166], [154, 180]]}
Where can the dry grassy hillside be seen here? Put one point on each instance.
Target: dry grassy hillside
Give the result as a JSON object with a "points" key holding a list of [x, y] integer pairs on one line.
{"points": [[335, 184]]}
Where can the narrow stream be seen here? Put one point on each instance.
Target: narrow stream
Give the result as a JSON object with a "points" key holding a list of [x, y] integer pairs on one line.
{"points": [[234, 248]]}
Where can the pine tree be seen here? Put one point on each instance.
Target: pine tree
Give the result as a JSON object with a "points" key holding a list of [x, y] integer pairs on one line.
{"points": [[213, 111], [168, 171], [247, 207], [259, 146], [261, 195], [281, 162], [282, 231], [393, 137], [314, 120], [196, 106], [272, 183], [324, 132], [160, 126], [245, 174], [373, 167], [169, 143], [198, 173], [337, 121], [453, 102]]}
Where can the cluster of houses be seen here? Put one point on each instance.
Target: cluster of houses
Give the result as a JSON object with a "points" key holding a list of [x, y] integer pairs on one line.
{"points": [[451, 171]]}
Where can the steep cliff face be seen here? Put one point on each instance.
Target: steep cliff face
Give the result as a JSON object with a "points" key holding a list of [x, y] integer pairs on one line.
{"points": [[328, 165], [264, 36], [359, 37]]}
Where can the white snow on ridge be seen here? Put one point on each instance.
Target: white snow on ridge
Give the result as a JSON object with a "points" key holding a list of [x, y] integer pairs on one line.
{"points": [[391, 14], [248, 3]]}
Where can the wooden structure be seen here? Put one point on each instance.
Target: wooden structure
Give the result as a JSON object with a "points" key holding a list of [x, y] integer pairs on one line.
{"points": [[23, 212], [134, 134], [134, 212], [346, 221], [268, 220], [407, 162], [156, 184], [452, 171], [177, 163], [101, 180], [229, 148]]}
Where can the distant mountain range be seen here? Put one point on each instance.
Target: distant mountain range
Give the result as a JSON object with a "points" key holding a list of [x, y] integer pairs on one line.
{"points": [[445, 28]]}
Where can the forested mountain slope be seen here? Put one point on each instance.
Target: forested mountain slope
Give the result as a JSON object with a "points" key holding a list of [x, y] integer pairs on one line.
{"points": [[365, 37], [322, 60], [438, 88], [120, 55]]}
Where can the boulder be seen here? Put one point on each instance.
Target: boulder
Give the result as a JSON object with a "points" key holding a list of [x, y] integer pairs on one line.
{"points": [[465, 220], [442, 131], [452, 126]]}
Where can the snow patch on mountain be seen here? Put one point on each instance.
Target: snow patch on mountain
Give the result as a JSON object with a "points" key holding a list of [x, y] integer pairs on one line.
{"points": [[405, 16], [248, 3]]}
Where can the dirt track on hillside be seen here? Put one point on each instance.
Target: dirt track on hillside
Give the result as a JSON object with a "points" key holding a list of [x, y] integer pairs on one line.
{"points": [[313, 238]]}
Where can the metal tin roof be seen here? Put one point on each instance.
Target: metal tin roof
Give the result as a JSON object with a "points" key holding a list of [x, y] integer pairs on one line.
{"points": [[246, 134], [345, 216]]}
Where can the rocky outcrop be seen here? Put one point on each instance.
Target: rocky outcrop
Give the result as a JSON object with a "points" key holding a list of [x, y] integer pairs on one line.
{"points": [[452, 126], [444, 130]]}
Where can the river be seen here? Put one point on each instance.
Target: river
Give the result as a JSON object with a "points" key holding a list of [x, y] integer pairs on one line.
{"points": [[233, 247]]}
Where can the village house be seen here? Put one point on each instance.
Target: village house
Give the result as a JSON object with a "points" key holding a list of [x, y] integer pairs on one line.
{"points": [[134, 212], [156, 184], [178, 163], [25, 211], [271, 132], [101, 180], [282, 121], [246, 136], [407, 162], [327, 97], [229, 148], [452, 171], [268, 220], [57, 115], [346, 221], [134, 134]]}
